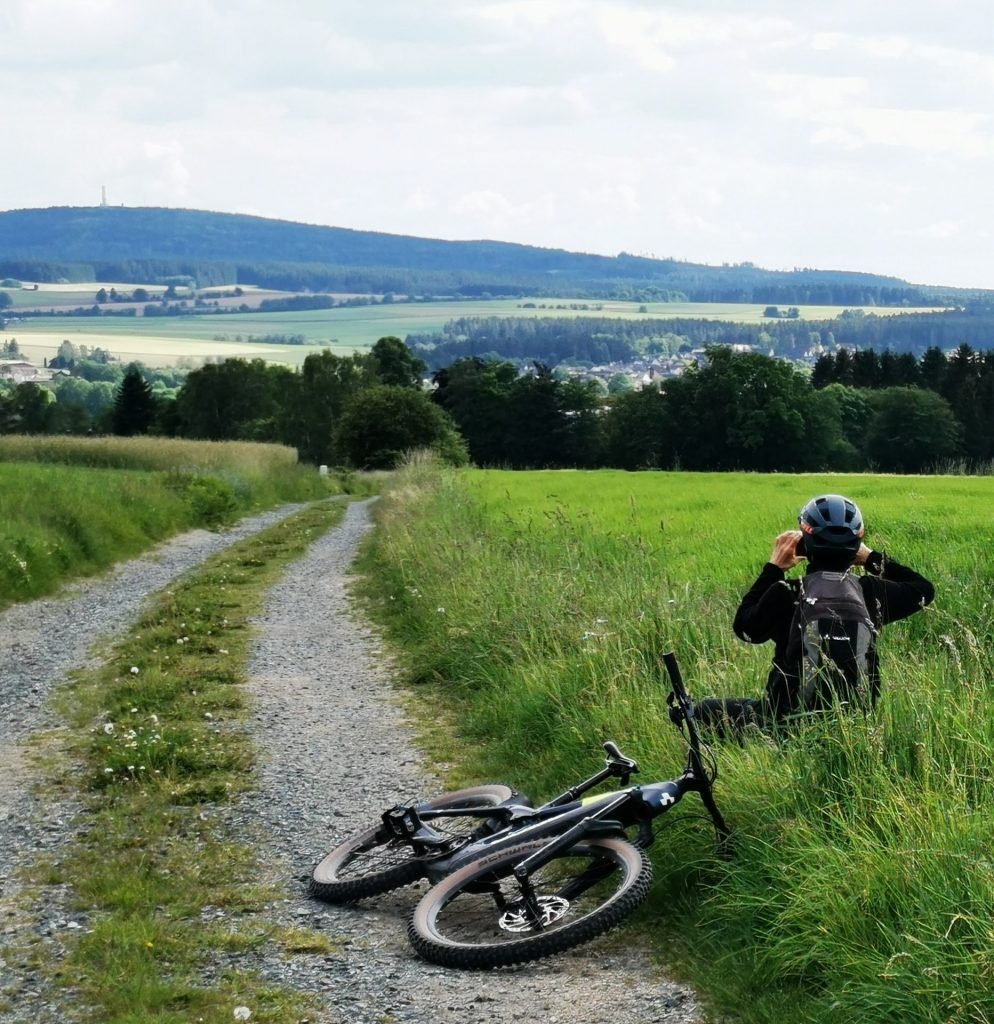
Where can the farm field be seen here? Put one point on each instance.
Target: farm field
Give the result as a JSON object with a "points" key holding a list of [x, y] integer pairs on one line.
{"points": [[535, 606], [163, 341]]}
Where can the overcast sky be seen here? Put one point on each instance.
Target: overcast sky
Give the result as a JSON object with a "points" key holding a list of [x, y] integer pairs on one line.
{"points": [[850, 135]]}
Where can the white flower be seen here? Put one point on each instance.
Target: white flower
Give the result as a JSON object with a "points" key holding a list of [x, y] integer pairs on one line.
{"points": [[154, 719], [441, 611], [134, 670], [108, 771], [242, 1013], [109, 728], [208, 716]]}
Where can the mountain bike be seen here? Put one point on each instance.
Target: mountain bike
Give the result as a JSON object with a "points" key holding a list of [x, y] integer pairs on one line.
{"points": [[512, 882]]}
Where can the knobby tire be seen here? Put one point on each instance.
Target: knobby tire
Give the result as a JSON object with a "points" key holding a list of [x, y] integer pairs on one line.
{"points": [[593, 885]]}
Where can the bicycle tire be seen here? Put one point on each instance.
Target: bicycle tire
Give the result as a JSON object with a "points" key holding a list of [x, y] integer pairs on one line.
{"points": [[368, 864], [455, 926]]}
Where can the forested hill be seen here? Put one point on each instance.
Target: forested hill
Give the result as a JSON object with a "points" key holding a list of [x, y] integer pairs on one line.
{"points": [[152, 244]]}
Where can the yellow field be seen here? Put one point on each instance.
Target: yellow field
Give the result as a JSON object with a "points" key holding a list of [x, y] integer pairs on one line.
{"points": [[166, 341]]}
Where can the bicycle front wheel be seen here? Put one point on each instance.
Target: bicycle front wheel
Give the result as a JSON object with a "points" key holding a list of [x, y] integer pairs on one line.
{"points": [[373, 862], [476, 917]]}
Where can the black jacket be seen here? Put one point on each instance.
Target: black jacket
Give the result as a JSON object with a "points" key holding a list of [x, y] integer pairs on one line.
{"points": [[891, 590]]}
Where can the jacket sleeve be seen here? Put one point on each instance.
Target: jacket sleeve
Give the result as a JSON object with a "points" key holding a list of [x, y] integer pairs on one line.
{"points": [[897, 590], [761, 611]]}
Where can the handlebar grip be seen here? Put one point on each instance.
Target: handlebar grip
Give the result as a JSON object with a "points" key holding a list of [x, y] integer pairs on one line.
{"points": [[673, 670]]}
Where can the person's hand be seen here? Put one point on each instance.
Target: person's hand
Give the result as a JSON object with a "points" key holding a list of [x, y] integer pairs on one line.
{"points": [[785, 554], [862, 555]]}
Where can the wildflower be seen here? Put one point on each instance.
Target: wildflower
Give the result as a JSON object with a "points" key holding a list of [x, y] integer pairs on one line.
{"points": [[109, 728], [108, 771], [224, 650], [242, 1013], [154, 719], [134, 670], [441, 611]]}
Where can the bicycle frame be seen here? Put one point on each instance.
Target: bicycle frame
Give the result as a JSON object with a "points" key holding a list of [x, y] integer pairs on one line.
{"points": [[570, 817]]}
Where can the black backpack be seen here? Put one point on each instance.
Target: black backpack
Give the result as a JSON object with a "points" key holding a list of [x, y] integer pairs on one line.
{"points": [[831, 638]]}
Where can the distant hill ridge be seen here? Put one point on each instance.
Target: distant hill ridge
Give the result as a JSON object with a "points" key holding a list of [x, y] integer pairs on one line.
{"points": [[154, 243]]}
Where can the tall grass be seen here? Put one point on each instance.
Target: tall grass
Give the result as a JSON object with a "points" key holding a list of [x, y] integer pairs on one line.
{"points": [[70, 507], [535, 606], [160, 453]]}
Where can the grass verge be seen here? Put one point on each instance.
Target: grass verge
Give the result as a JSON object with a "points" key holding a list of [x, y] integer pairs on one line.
{"points": [[158, 748], [72, 507]]}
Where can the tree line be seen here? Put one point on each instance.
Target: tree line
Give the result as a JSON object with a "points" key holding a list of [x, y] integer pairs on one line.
{"points": [[595, 340], [731, 411], [363, 410]]}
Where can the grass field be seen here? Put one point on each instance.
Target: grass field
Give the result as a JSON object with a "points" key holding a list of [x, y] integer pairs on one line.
{"points": [[71, 507], [534, 606], [163, 341]]}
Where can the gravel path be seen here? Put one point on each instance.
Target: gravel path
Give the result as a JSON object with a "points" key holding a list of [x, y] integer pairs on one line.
{"points": [[334, 745], [40, 643]]}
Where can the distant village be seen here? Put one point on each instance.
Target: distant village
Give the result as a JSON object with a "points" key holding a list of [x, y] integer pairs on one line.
{"points": [[21, 371]]}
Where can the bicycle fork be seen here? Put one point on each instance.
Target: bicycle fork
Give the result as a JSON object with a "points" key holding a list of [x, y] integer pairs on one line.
{"points": [[537, 915]]}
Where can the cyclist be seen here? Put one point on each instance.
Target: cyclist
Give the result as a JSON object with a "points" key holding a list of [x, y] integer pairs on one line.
{"points": [[830, 539]]}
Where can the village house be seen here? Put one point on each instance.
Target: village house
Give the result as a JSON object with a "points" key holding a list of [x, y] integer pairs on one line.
{"points": [[20, 371]]}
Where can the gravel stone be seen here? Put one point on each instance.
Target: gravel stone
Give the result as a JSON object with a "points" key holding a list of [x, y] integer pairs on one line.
{"points": [[334, 749]]}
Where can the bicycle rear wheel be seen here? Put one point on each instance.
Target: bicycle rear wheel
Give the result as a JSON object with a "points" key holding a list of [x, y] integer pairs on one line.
{"points": [[476, 917], [374, 862]]}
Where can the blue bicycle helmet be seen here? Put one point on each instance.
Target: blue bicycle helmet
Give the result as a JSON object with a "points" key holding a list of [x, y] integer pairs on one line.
{"points": [[832, 525]]}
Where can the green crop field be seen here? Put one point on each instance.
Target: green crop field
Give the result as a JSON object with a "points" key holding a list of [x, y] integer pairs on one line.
{"points": [[534, 606], [163, 341]]}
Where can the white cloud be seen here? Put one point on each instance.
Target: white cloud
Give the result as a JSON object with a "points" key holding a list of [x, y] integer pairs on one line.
{"points": [[818, 135]]}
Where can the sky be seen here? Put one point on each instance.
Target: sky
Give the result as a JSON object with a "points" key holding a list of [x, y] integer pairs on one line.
{"points": [[844, 135]]}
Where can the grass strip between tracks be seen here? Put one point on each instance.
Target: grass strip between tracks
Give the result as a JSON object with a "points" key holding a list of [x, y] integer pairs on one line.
{"points": [[156, 747]]}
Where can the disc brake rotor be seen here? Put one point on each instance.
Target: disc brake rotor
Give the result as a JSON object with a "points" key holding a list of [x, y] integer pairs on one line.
{"points": [[552, 909]]}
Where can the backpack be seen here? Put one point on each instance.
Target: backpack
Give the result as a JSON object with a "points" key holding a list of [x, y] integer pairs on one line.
{"points": [[831, 637]]}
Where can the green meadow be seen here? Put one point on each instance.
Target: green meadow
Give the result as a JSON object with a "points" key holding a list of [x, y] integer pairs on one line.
{"points": [[72, 507], [163, 341], [535, 606]]}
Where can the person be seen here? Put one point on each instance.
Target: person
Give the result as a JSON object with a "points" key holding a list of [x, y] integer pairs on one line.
{"points": [[830, 539]]}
